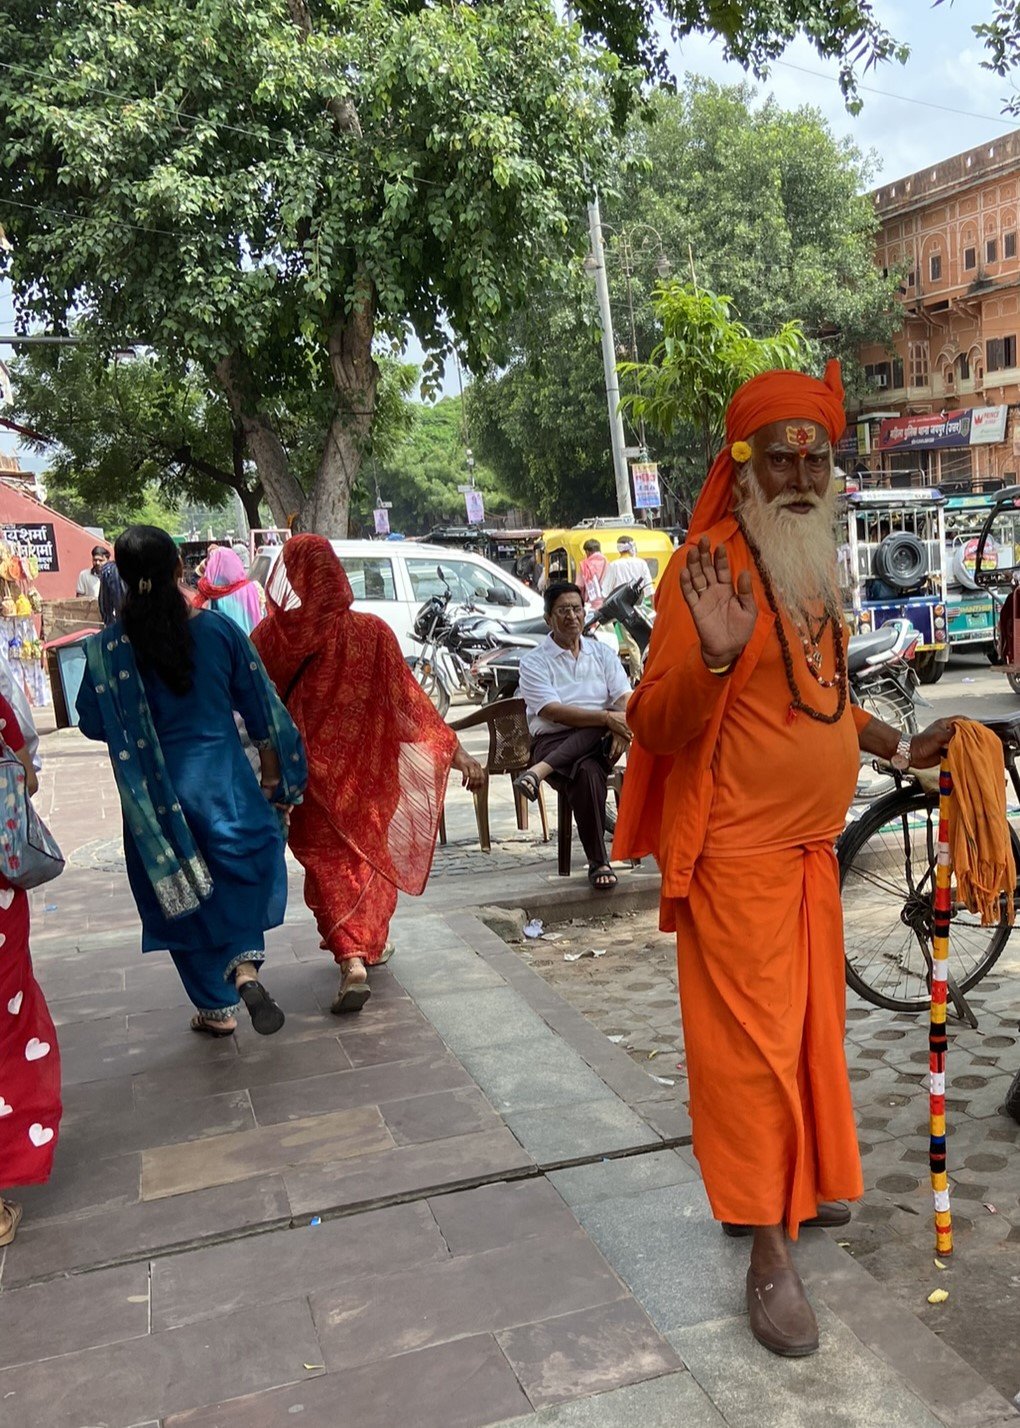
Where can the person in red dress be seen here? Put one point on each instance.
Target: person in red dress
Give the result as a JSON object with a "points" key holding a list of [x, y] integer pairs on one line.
{"points": [[378, 757], [30, 1106]]}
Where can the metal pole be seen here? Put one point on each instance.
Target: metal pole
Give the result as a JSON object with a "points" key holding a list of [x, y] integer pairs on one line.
{"points": [[609, 363], [629, 271]]}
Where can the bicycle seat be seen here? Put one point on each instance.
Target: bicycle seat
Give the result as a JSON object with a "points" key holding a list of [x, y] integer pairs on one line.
{"points": [[1007, 729], [873, 642]]}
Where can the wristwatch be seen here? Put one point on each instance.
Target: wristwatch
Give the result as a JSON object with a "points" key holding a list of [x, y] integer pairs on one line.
{"points": [[901, 758]]}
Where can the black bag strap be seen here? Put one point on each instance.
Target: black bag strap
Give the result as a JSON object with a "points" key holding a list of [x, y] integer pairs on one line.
{"points": [[293, 684]]}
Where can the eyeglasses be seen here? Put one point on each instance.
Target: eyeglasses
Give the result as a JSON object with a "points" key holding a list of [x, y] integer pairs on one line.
{"points": [[569, 612]]}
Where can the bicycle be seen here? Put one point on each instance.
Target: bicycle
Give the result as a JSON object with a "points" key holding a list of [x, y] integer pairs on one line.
{"points": [[887, 879]]}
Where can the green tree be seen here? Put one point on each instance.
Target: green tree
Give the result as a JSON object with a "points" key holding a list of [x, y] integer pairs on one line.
{"points": [[765, 205], [113, 429], [541, 423], [421, 473], [128, 435], [264, 189], [753, 32], [703, 357], [1001, 37]]}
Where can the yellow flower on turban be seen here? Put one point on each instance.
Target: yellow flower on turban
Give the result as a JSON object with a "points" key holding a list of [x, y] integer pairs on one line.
{"points": [[741, 452]]}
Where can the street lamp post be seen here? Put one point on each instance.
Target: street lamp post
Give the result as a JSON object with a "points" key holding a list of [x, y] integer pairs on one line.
{"points": [[598, 269]]}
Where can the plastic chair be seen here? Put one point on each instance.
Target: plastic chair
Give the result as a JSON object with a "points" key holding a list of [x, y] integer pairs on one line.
{"points": [[565, 821], [509, 753]]}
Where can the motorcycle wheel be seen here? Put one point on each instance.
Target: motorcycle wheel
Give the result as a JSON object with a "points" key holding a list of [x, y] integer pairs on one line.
{"points": [[891, 707], [928, 667], [432, 684], [1014, 682]]}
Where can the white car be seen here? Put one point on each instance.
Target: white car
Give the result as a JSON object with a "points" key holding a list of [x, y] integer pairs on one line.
{"points": [[393, 579]]}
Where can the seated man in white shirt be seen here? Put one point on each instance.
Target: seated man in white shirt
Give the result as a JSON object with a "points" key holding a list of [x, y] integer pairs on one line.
{"points": [[576, 692]]}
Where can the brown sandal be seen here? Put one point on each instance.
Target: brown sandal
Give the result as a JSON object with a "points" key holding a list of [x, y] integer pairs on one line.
{"points": [[15, 1213]]}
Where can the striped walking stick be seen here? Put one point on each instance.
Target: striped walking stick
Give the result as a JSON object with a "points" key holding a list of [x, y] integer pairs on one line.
{"points": [[937, 1026]]}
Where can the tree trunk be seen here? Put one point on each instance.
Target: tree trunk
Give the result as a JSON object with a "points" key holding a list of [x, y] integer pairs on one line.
{"points": [[249, 496], [356, 378], [355, 372], [281, 489]]}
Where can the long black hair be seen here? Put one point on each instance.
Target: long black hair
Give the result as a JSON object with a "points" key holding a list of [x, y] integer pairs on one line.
{"points": [[155, 612]]}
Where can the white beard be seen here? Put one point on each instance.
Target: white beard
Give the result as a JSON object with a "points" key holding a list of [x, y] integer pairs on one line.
{"points": [[799, 552]]}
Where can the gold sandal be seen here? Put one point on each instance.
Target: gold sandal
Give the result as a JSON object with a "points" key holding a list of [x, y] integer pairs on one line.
{"points": [[15, 1213]]}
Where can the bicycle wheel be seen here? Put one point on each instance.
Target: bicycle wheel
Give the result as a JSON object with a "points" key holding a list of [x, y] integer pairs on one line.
{"points": [[887, 878]]}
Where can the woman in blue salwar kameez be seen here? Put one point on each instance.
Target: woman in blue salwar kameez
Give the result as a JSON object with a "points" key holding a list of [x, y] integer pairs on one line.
{"points": [[203, 834]]}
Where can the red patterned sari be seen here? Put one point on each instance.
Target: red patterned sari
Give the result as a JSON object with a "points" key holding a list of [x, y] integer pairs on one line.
{"points": [[378, 753], [30, 1105]]}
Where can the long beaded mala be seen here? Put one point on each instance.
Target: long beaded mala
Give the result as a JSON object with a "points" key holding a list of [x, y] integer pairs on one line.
{"points": [[797, 705]]}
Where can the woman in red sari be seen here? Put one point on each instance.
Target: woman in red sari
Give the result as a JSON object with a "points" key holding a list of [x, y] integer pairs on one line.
{"points": [[30, 1105], [378, 757]]}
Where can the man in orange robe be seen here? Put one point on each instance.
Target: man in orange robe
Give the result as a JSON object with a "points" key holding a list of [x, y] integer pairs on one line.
{"points": [[743, 768]]}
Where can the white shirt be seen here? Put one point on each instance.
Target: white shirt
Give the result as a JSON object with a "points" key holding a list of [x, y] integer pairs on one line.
{"points": [[551, 675], [88, 584], [624, 571]]}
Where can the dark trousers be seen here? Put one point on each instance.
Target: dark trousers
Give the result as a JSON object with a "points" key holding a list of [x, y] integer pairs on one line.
{"points": [[581, 770]]}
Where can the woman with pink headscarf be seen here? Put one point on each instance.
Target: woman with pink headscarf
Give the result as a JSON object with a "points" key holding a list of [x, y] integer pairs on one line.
{"points": [[225, 587]]}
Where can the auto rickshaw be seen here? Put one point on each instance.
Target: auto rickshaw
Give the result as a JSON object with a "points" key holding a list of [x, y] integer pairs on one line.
{"points": [[997, 567], [563, 550]]}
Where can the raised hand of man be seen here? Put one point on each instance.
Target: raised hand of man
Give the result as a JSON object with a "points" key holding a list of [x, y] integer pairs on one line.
{"points": [[724, 610]]}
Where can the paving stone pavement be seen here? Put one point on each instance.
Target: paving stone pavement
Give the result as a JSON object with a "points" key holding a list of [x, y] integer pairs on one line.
{"points": [[630, 994], [465, 1207]]}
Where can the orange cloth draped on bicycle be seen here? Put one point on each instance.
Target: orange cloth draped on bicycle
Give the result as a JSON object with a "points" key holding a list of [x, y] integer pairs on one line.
{"points": [[982, 858], [378, 753]]}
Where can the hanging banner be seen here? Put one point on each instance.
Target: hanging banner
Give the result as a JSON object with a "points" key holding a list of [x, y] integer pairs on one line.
{"points": [[925, 433], [645, 476], [382, 521], [988, 425], [475, 505]]}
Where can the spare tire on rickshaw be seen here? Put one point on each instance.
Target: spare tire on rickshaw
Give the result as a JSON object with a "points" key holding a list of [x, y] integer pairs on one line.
{"points": [[901, 561]]}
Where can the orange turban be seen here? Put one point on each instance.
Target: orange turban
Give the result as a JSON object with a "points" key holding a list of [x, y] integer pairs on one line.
{"points": [[769, 397]]}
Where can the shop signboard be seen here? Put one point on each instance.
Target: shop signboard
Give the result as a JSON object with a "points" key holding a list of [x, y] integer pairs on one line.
{"points": [[988, 425], [39, 541], [927, 432]]}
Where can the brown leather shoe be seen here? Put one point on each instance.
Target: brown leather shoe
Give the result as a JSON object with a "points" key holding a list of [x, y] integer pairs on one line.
{"points": [[781, 1317], [830, 1217]]}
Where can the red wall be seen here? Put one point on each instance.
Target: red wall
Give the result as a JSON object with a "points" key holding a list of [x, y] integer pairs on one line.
{"points": [[74, 545]]}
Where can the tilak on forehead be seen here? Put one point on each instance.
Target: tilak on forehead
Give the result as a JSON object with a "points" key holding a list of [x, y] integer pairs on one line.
{"points": [[800, 437], [794, 399]]}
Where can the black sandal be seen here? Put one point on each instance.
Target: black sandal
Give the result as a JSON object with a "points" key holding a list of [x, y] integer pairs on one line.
{"points": [[527, 785], [605, 872], [266, 1016], [206, 1028]]}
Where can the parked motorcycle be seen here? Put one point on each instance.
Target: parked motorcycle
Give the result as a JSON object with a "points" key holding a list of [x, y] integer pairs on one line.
{"points": [[451, 645], [498, 671], [882, 678]]}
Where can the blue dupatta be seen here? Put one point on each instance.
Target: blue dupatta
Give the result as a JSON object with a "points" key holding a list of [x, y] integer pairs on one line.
{"points": [[169, 854]]}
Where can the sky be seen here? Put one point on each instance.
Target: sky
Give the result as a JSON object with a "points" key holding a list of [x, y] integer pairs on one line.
{"points": [[939, 103]]}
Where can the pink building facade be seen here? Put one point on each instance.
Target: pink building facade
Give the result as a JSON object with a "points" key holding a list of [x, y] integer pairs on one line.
{"points": [[942, 405]]}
